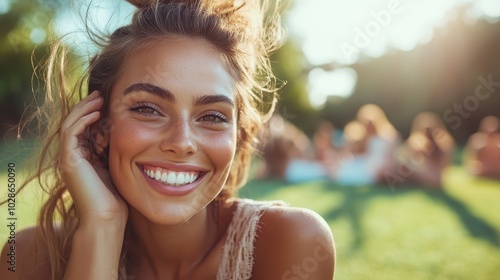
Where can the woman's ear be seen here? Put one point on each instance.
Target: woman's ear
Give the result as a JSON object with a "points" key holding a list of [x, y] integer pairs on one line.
{"points": [[99, 140]]}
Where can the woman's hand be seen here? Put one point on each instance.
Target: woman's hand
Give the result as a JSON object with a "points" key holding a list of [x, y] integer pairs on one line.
{"points": [[87, 179]]}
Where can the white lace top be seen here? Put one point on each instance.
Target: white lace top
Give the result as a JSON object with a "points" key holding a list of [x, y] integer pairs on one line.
{"points": [[237, 258]]}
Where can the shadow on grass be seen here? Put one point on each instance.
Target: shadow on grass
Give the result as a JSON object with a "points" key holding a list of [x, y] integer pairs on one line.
{"points": [[477, 227], [354, 206], [355, 200]]}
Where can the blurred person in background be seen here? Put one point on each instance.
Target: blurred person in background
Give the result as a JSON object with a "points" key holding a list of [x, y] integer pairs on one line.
{"points": [[289, 154], [426, 153], [370, 143], [323, 141], [482, 151]]}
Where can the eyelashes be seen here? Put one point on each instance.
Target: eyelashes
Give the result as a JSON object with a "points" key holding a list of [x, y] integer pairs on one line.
{"points": [[146, 109], [214, 117], [151, 111]]}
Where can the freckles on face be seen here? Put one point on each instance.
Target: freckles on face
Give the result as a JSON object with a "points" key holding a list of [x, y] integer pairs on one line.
{"points": [[129, 137], [173, 112]]}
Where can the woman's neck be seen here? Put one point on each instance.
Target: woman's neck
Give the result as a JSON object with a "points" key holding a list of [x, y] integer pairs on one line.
{"points": [[172, 250]]}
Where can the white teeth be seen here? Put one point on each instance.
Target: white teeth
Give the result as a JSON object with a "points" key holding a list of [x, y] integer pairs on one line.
{"points": [[171, 177], [180, 179], [164, 176]]}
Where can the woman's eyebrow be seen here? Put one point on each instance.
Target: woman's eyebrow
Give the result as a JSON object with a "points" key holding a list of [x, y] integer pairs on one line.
{"points": [[167, 95], [209, 99], [150, 88]]}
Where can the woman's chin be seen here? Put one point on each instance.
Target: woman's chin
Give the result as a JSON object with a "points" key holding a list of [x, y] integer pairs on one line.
{"points": [[170, 215]]}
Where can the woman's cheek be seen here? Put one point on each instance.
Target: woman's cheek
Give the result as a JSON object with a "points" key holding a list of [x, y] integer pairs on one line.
{"points": [[221, 147], [128, 140], [129, 132]]}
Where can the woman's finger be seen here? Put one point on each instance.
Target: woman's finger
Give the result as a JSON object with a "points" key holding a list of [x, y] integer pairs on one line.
{"points": [[78, 128], [84, 107]]}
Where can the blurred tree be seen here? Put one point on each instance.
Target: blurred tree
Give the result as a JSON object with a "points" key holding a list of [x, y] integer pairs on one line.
{"points": [[24, 31], [288, 65], [441, 76]]}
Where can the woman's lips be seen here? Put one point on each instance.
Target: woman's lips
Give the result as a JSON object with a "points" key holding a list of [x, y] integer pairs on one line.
{"points": [[178, 182], [171, 177]]}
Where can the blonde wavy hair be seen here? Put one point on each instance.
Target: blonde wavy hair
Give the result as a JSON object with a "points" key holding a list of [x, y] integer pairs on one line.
{"points": [[245, 33]]}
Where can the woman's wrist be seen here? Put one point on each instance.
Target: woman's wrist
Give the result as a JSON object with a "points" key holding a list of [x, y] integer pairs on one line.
{"points": [[102, 227], [106, 236], [116, 220], [95, 252]]}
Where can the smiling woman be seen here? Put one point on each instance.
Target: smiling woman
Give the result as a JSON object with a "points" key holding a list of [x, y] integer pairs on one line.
{"points": [[145, 165]]}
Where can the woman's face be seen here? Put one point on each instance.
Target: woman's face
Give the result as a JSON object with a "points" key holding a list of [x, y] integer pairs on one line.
{"points": [[173, 129]]}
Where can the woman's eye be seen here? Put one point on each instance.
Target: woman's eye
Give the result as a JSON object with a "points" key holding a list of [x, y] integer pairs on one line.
{"points": [[214, 118], [145, 110]]}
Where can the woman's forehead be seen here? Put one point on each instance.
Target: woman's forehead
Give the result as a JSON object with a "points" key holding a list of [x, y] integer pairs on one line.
{"points": [[178, 64]]}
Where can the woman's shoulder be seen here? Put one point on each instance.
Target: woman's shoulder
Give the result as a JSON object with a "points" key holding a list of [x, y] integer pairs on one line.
{"points": [[293, 243], [278, 214], [25, 256]]}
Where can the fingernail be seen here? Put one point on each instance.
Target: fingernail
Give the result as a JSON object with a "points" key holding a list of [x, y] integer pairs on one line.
{"points": [[94, 93]]}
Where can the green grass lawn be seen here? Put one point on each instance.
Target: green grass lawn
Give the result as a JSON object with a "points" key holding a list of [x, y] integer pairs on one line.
{"points": [[382, 233], [405, 233]]}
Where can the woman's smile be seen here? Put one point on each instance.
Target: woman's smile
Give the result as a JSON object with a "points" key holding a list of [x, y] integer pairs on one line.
{"points": [[172, 179]]}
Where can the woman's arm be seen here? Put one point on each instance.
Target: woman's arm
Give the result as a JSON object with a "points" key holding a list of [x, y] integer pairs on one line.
{"points": [[293, 244], [103, 214], [96, 252]]}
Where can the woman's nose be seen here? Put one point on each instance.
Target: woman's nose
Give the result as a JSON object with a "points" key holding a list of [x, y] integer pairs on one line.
{"points": [[179, 139]]}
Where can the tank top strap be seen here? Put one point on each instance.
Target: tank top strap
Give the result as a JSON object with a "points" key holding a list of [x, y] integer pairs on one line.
{"points": [[237, 257]]}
